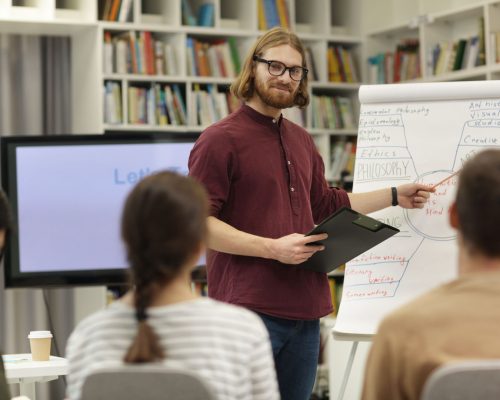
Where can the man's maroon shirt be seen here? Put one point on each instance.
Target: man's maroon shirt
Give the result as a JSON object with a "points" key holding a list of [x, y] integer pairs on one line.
{"points": [[265, 177]]}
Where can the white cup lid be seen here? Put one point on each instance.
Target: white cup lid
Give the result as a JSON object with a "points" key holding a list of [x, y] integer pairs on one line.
{"points": [[39, 335]]}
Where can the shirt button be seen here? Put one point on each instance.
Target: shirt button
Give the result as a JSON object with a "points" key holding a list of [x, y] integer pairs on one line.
{"points": [[289, 163], [274, 121], [292, 189]]}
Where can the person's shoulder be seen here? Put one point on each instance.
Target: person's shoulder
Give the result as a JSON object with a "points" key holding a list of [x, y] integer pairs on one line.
{"points": [[243, 317], [415, 313], [225, 126]]}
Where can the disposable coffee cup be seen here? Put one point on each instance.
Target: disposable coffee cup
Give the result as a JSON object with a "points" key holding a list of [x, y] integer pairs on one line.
{"points": [[40, 345]]}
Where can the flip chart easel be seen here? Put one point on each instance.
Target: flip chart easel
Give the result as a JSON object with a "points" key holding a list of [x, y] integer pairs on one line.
{"points": [[355, 339], [411, 133]]}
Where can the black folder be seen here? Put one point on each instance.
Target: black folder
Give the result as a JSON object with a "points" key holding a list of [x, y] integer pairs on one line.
{"points": [[349, 235]]}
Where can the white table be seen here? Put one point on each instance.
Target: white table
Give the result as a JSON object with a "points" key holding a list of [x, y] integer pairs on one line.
{"points": [[19, 368]]}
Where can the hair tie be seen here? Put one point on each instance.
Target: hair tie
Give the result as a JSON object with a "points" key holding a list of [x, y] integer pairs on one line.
{"points": [[141, 315]]}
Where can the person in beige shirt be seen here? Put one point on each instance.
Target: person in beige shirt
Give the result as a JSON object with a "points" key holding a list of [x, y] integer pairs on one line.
{"points": [[456, 321]]}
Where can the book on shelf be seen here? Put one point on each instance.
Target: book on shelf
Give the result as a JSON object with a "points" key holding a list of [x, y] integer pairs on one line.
{"points": [[113, 11], [272, 13], [190, 57], [112, 103], [459, 54], [261, 15], [343, 155], [138, 53], [494, 47], [235, 55], [402, 64], [211, 105], [332, 112], [169, 99], [125, 9], [188, 17], [450, 56], [107, 56], [159, 55], [341, 66], [156, 105], [336, 284], [179, 104], [311, 65], [103, 11], [481, 58], [282, 8], [206, 14], [217, 58]]}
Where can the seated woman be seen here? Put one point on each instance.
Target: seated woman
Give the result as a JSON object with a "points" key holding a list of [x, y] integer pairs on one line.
{"points": [[160, 320]]}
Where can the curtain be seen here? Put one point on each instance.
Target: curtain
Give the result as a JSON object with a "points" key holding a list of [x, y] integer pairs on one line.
{"points": [[35, 99]]}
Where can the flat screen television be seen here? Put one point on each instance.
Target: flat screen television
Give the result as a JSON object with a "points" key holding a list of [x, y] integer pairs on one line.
{"points": [[67, 194]]}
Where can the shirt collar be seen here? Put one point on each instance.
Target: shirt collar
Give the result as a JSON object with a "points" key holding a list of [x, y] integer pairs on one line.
{"points": [[261, 118]]}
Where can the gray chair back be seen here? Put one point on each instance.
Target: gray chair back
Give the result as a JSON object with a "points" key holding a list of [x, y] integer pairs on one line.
{"points": [[145, 382], [465, 380]]}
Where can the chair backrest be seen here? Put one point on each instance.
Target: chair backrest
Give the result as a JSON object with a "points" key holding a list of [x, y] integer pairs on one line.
{"points": [[474, 379], [145, 382]]}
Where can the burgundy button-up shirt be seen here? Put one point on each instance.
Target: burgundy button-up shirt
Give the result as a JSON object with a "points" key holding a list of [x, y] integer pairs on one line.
{"points": [[265, 177]]}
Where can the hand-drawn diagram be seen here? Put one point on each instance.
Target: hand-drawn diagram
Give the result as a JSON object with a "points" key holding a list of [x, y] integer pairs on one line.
{"points": [[385, 157]]}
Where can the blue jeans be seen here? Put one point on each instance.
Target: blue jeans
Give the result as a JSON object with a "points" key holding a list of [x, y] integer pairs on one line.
{"points": [[295, 346]]}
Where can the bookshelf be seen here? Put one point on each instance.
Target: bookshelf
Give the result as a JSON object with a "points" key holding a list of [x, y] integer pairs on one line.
{"points": [[235, 25], [94, 25], [457, 40]]}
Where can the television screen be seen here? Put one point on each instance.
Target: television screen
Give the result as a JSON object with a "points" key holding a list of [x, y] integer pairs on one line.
{"points": [[67, 194]]}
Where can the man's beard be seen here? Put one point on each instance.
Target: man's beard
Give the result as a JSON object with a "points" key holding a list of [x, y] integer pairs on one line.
{"points": [[274, 100]]}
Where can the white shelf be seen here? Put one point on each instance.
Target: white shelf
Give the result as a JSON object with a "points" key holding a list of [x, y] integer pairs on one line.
{"points": [[319, 23], [462, 75], [436, 23]]}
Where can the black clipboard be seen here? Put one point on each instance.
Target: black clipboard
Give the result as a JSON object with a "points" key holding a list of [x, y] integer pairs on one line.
{"points": [[349, 235]]}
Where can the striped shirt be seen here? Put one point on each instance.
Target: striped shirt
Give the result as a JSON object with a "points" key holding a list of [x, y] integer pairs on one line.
{"points": [[227, 345]]}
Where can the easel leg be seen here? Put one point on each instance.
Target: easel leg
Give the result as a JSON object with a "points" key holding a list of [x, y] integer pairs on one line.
{"points": [[347, 371]]}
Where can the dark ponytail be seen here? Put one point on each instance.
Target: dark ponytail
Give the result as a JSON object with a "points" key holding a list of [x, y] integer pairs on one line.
{"points": [[146, 346], [163, 225]]}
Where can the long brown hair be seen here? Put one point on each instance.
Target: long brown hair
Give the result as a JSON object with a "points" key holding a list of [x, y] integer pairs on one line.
{"points": [[244, 86], [478, 203], [163, 226]]}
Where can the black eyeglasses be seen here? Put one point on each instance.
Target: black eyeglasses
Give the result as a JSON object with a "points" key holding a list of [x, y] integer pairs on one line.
{"points": [[277, 68]]}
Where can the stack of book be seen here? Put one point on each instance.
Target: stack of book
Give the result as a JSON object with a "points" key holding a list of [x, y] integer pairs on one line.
{"points": [[211, 105], [332, 112], [219, 58], [138, 53], [341, 66], [401, 65], [448, 56], [156, 105]]}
